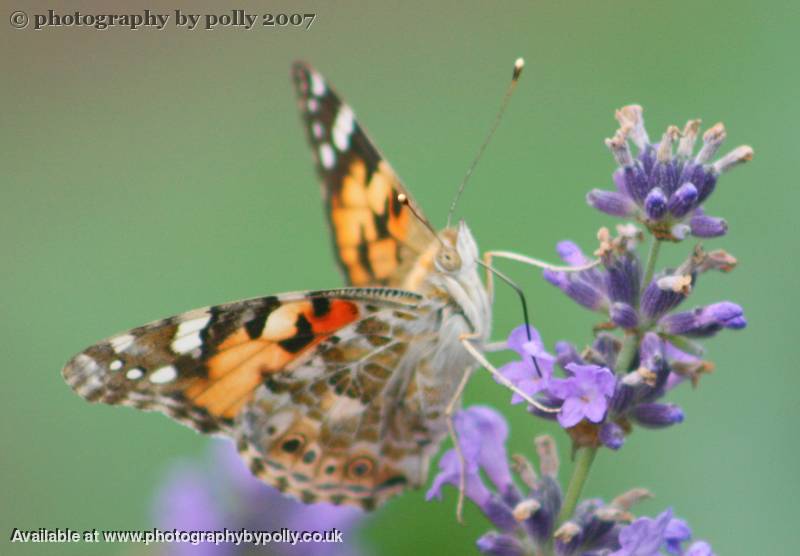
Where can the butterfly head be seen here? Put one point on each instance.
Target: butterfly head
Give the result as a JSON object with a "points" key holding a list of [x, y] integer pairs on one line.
{"points": [[458, 252]]}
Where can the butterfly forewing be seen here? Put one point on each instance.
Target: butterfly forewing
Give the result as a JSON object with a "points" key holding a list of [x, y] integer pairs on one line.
{"points": [[376, 238]]}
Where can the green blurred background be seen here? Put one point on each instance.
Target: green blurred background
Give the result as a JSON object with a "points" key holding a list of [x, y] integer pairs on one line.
{"points": [[146, 173]]}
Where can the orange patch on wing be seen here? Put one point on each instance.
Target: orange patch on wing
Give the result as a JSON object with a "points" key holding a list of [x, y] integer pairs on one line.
{"points": [[239, 367], [354, 185], [340, 313], [383, 257], [353, 225], [381, 188]]}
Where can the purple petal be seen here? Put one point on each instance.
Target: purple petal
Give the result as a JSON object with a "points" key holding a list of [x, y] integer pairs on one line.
{"points": [[655, 204], [643, 537], [611, 202], [708, 226], [657, 415], [571, 413], [683, 200], [699, 548], [566, 353], [490, 440], [676, 533], [623, 315], [705, 321], [519, 337], [450, 474], [595, 409], [727, 314], [570, 253], [612, 435], [497, 544]]}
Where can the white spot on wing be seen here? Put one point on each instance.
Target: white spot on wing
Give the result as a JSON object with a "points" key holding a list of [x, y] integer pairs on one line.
{"points": [[317, 84], [135, 373], [193, 325], [313, 105], [187, 336], [280, 323], [122, 342], [316, 129], [343, 128], [115, 365], [186, 344], [344, 408], [164, 375], [326, 156]]}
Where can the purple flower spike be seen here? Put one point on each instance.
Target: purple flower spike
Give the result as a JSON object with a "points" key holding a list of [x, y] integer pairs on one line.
{"points": [[683, 200], [643, 537], [657, 415], [611, 202], [655, 205], [585, 394], [705, 321], [663, 186], [612, 435], [708, 226], [500, 545]]}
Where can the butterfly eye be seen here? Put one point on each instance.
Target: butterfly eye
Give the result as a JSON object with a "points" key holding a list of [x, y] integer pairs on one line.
{"points": [[448, 259]]}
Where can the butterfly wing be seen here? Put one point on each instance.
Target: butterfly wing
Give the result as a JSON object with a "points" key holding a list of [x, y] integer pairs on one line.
{"points": [[312, 386], [376, 239]]}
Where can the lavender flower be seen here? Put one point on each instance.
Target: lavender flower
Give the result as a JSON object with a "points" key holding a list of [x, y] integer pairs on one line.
{"points": [[614, 288], [585, 394], [662, 188], [604, 399], [652, 536], [195, 498], [526, 518]]}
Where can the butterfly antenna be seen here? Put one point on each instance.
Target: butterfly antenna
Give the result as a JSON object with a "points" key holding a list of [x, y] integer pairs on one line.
{"points": [[518, 65], [524, 303], [403, 199]]}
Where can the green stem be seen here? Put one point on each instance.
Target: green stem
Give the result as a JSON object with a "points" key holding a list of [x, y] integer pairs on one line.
{"points": [[583, 462], [650, 267], [628, 352]]}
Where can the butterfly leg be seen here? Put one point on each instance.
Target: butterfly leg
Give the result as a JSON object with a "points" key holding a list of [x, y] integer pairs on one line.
{"points": [[449, 413], [466, 341], [489, 255]]}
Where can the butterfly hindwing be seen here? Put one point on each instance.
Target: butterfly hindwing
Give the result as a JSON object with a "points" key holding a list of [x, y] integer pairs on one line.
{"points": [[376, 238], [307, 384]]}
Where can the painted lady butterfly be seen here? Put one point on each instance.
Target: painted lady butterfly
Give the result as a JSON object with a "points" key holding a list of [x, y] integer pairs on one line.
{"points": [[340, 395]]}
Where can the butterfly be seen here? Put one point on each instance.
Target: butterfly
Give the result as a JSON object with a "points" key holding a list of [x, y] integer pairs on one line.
{"points": [[340, 395]]}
